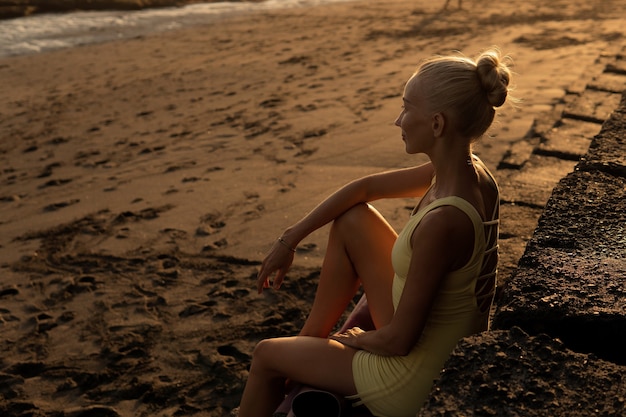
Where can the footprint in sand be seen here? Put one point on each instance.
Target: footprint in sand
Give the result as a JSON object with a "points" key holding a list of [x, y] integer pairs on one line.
{"points": [[6, 316], [31, 148], [232, 351], [192, 310], [55, 183], [213, 220], [60, 205], [271, 102], [10, 291], [44, 323], [57, 141], [47, 171], [218, 244], [11, 386], [145, 214], [70, 288], [127, 342], [296, 59], [255, 128], [92, 411], [26, 369], [177, 167], [229, 293], [307, 108]]}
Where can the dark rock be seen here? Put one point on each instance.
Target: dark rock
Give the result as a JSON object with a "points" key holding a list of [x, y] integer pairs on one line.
{"points": [[570, 282], [509, 373], [607, 150]]}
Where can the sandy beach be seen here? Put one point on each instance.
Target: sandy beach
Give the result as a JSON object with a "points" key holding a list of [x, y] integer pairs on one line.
{"points": [[143, 180]]}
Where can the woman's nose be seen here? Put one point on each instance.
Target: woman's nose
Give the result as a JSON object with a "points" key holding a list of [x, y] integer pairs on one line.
{"points": [[398, 119]]}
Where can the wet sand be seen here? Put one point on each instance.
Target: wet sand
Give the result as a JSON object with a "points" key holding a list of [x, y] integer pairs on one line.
{"points": [[17, 8]]}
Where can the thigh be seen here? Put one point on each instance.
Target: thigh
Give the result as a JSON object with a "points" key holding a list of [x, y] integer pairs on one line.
{"points": [[321, 363], [369, 239]]}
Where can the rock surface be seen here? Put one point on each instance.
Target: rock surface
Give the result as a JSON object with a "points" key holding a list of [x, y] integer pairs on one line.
{"points": [[570, 281], [509, 373]]}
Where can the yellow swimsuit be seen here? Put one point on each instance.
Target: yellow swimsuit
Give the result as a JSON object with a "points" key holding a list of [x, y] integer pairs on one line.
{"points": [[397, 386]]}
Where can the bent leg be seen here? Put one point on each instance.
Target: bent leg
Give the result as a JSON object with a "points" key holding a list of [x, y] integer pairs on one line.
{"points": [[358, 253], [322, 363]]}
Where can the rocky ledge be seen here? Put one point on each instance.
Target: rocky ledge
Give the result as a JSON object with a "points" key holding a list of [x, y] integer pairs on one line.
{"points": [[558, 341]]}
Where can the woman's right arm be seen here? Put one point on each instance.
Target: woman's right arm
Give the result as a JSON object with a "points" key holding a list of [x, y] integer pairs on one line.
{"points": [[409, 182]]}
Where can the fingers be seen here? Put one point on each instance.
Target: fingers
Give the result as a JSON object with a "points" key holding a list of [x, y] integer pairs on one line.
{"points": [[278, 279], [262, 283], [263, 280], [342, 338], [349, 337], [354, 331], [277, 262]]}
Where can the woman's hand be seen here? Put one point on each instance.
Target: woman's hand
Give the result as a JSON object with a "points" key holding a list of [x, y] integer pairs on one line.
{"points": [[349, 337], [278, 261]]}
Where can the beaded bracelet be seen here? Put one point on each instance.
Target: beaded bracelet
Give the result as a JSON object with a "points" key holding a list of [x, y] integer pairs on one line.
{"points": [[285, 244]]}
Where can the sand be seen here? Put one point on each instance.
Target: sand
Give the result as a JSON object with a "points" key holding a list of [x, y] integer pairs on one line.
{"points": [[143, 180]]}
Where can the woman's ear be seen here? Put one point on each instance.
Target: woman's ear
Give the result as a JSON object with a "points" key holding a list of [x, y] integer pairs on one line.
{"points": [[438, 124]]}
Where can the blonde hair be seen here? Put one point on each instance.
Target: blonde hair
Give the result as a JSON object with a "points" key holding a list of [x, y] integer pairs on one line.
{"points": [[465, 90]]}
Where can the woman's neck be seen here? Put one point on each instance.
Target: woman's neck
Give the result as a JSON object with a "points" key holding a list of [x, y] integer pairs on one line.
{"points": [[454, 169]]}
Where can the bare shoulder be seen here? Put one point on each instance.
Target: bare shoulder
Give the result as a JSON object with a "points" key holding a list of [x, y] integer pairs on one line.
{"points": [[444, 223], [445, 233]]}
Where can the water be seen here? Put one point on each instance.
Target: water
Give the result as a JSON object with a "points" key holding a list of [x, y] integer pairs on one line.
{"points": [[45, 32]]}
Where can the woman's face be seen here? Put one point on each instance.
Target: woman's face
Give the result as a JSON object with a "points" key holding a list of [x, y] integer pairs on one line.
{"points": [[415, 121]]}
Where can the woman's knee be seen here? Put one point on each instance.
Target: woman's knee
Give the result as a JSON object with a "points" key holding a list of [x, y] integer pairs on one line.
{"points": [[261, 357], [356, 217], [363, 221], [262, 350]]}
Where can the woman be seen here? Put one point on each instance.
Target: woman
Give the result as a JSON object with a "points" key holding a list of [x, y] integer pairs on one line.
{"points": [[427, 287]]}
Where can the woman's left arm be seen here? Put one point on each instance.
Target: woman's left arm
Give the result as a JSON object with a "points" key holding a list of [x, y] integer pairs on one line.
{"points": [[439, 245]]}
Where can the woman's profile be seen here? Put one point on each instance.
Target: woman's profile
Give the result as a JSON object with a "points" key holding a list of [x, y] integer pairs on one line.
{"points": [[426, 287]]}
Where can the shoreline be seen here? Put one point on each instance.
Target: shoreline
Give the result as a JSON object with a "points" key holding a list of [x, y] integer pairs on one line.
{"points": [[21, 8]]}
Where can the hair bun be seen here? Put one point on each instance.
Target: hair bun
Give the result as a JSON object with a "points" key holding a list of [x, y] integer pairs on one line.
{"points": [[494, 76]]}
